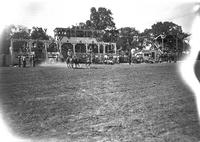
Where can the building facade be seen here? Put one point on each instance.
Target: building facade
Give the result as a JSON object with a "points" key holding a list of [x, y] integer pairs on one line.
{"points": [[80, 42]]}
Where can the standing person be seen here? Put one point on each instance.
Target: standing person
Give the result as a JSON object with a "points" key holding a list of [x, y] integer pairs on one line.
{"points": [[33, 60], [19, 60], [69, 53], [69, 59], [88, 60], [76, 61], [118, 59], [56, 58], [129, 59], [175, 56], [24, 61]]}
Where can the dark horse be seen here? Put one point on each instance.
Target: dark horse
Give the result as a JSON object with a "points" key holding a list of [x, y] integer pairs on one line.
{"points": [[76, 61], [72, 62]]}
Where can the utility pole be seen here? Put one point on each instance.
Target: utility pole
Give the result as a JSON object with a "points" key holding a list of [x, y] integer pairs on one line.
{"points": [[177, 50], [162, 37]]}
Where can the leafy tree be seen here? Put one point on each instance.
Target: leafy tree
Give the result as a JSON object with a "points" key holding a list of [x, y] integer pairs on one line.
{"points": [[13, 31], [165, 28], [173, 35], [21, 32], [168, 28], [127, 38], [88, 24], [39, 33], [94, 18], [101, 25], [21, 35], [148, 34], [109, 36], [102, 19], [5, 39], [146, 38]]}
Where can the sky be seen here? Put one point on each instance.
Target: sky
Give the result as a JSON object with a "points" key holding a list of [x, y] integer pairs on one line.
{"points": [[50, 14]]}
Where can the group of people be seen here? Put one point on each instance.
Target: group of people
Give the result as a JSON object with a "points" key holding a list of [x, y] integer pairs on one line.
{"points": [[73, 61], [168, 57], [22, 60]]}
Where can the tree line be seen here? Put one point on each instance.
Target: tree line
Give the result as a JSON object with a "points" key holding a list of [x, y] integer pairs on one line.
{"points": [[101, 19]]}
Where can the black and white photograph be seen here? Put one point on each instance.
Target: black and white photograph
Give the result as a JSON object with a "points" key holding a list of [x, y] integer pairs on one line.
{"points": [[100, 71]]}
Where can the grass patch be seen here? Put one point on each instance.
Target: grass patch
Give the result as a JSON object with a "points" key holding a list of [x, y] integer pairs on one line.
{"points": [[146, 102]]}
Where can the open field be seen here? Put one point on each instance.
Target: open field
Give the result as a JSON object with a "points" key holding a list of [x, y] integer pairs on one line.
{"points": [[137, 103]]}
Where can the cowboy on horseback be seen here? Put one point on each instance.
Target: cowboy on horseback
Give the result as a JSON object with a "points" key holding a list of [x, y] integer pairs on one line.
{"points": [[69, 59], [76, 61]]}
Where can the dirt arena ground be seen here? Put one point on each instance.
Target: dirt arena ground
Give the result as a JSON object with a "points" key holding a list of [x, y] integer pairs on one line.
{"points": [[119, 103]]}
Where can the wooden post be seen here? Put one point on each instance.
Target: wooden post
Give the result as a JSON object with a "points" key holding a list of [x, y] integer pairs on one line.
{"points": [[46, 53], [115, 47], [177, 50], [30, 45], [60, 46], [98, 46], [74, 45], [162, 43], [86, 46], [104, 48], [60, 50], [11, 52]]}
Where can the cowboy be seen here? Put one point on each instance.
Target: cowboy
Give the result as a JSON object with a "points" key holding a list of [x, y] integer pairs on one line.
{"points": [[69, 53], [69, 58]]}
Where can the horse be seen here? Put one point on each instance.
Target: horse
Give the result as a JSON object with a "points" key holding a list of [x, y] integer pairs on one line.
{"points": [[88, 61], [69, 62], [72, 62], [76, 61]]}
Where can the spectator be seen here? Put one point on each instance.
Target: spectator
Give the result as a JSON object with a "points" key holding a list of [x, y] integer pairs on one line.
{"points": [[19, 60], [33, 60], [24, 61]]}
